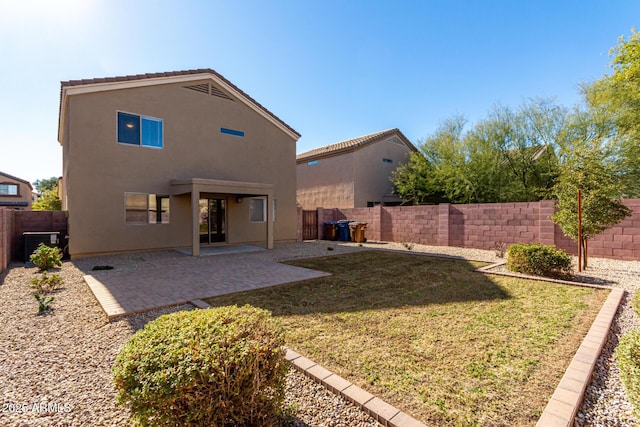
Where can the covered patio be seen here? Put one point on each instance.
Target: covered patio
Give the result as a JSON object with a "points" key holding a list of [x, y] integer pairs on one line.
{"points": [[196, 187]]}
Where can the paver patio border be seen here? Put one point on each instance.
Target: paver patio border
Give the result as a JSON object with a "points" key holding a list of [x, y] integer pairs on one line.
{"points": [[563, 406]]}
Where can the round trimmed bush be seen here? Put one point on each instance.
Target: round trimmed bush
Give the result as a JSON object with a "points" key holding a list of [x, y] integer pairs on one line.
{"points": [[222, 366], [539, 260], [627, 357]]}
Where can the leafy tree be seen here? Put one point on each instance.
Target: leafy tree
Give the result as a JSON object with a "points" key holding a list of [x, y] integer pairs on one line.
{"points": [[48, 190], [618, 96], [509, 156], [48, 201], [592, 171], [42, 185]]}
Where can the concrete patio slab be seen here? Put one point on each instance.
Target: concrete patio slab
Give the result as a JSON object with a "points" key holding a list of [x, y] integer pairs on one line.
{"points": [[178, 279]]}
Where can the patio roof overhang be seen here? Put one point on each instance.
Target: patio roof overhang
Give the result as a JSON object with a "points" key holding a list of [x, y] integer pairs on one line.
{"points": [[197, 186]]}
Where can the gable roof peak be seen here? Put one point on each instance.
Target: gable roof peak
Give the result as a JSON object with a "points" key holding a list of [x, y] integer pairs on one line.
{"points": [[354, 143], [108, 83]]}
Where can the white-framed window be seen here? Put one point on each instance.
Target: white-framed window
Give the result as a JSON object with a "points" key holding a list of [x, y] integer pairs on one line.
{"points": [[134, 129], [8, 189], [257, 209], [144, 208]]}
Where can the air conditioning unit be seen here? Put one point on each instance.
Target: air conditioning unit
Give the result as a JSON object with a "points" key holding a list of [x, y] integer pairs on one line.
{"points": [[33, 239]]}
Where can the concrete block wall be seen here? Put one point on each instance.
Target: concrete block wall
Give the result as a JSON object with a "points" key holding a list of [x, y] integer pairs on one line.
{"points": [[417, 224], [6, 237], [619, 242], [485, 225]]}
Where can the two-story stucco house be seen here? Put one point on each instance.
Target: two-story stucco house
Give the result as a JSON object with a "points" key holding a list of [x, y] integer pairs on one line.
{"points": [[173, 160], [15, 193], [353, 173]]}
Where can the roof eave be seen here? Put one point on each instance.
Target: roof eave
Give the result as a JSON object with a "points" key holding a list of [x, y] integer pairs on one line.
{"points": [[69, 89]]}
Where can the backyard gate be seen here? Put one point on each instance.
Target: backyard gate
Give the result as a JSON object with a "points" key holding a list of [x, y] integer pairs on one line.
{"points": [[309, 225]]}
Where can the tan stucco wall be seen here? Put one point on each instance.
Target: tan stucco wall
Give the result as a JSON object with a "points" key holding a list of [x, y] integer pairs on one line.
{"points": [[329, 183], [372, 175], [24, 193], [98, 170]]}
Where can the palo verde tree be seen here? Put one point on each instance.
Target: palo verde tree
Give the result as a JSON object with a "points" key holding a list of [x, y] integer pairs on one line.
{"points": [[508, 156]]}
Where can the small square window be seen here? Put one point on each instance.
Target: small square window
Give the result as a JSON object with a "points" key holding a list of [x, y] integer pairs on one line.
{"points": [[387, 160], [142, 208], [257, 209]]}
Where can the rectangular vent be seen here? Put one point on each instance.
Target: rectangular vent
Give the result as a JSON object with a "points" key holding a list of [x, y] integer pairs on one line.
{"points": [[209, 89], [232, 132]]}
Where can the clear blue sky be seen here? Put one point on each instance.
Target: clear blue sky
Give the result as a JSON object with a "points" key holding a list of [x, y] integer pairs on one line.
{"points": [[333, 70]]}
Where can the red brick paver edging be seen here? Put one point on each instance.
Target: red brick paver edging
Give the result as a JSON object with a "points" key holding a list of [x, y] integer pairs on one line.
{"points": [[567, 398], [384, 413]]}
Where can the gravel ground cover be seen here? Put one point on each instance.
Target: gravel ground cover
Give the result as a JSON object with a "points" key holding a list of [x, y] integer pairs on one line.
{"points": [[55, 369]]}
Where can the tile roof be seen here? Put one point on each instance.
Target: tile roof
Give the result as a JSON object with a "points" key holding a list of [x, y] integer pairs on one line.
{"points": [[135, 77], [352, 144], [17, 179]]}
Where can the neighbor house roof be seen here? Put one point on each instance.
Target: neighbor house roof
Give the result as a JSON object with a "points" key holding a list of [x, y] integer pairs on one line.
{"points": [[138, 80], [16, 179], [352, 144], [20, 204]]}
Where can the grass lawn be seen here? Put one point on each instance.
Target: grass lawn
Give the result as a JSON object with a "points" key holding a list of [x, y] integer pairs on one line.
{"points": [[432, 337]]}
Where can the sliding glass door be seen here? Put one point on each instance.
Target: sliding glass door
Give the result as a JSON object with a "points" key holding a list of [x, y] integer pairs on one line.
{"points": [[212, 220]]}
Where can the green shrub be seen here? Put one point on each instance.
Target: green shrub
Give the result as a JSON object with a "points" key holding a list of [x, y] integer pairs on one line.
{"points": [[627, 357], [635, 303], [538, 259], [45, 257], [216, 367], [44, 303], [44, 284]]}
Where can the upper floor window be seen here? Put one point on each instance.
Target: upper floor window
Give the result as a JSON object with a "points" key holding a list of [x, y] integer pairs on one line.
{"points": [[312, 162], [139, 130], [8, 189], [385, 160]]}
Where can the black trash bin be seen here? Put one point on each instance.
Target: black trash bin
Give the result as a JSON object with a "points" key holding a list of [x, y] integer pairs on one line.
{"points": [[343, 231], [331, 230]]}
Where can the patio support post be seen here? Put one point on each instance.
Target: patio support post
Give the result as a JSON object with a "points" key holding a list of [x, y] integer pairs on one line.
{"points": [[270, 220], [195, 222]]}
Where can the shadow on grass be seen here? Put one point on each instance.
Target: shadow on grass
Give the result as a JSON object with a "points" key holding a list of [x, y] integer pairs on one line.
{"points": [[372, 280]]}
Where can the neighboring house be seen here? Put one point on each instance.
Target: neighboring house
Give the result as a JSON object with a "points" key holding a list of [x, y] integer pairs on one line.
{"points": [[15, 193], [353, 173], [173, 160]]}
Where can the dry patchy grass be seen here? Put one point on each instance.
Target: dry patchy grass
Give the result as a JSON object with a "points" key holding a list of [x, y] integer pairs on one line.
{"points": [[432, 337]]}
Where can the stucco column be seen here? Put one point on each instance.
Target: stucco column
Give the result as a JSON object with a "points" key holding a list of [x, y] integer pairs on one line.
{"points": [[195, 223], [443, 224], [269, 221]]}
